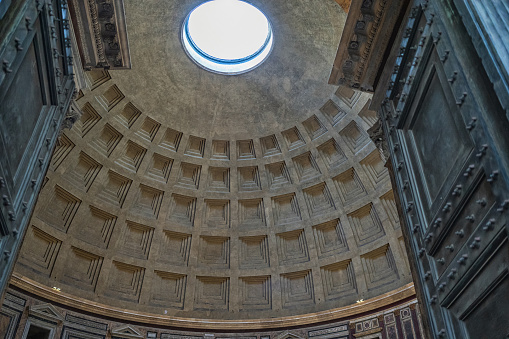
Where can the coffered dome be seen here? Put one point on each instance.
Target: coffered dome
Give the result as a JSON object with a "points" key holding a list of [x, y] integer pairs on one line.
{"points": [[187, 194]]}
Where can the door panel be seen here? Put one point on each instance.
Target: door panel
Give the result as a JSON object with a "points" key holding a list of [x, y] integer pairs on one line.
{"points": [[449, 154]]}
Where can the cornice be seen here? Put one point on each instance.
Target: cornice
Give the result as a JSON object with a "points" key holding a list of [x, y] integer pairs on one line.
{"points": [[360, 54], [101, 31], [382, 301]]}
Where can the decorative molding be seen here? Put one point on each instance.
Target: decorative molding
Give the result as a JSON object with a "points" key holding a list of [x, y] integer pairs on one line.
{"points": [[126, 332], [366, 36], [73, 114], [288, 335], [384, 300], [47, 312], [101, 32], [376, 134], [362, 334]]}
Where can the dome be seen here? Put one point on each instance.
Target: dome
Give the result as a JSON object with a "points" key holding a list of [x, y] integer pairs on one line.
{"points": [[184, 196]]}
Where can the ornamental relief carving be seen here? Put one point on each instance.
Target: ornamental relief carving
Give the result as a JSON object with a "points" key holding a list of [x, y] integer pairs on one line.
{"points": [[102, 33], [362, 49]]}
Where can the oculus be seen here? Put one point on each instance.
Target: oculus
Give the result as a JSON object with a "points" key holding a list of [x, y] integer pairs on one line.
{"points": [[227, 36]]}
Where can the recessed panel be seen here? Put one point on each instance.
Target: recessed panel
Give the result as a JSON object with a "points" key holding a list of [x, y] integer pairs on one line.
{"points": [[19, 109], [440, 143]]}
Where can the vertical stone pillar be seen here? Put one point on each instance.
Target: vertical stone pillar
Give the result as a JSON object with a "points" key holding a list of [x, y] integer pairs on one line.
{"points": [[415, 321], [397, 315], [382, 326]]}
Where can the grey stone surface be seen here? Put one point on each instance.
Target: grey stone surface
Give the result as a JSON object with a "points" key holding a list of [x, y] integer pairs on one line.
{"points": [[285, 89], [192, 194]]}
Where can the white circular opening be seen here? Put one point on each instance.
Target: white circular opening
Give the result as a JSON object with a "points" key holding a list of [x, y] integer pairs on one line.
{"points": [[227, 36]]}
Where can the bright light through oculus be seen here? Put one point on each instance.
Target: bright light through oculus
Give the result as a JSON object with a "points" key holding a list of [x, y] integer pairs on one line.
{"points": [[227, 36]]}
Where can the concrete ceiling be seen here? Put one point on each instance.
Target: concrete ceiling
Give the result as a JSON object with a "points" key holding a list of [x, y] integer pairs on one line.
{"points": [[288, 87], [270, 200]]}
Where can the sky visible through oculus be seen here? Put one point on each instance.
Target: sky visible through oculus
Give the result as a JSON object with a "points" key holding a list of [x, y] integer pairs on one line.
{"points": [[228, 29]]}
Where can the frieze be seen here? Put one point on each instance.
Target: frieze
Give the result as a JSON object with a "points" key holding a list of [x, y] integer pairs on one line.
{"points": [[178, 336], [102, 33], [15, 299], [368, 29], [85, 322], [328, 330]]}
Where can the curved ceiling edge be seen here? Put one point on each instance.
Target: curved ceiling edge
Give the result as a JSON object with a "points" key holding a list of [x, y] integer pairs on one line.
{"points": [[384, 300]]}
